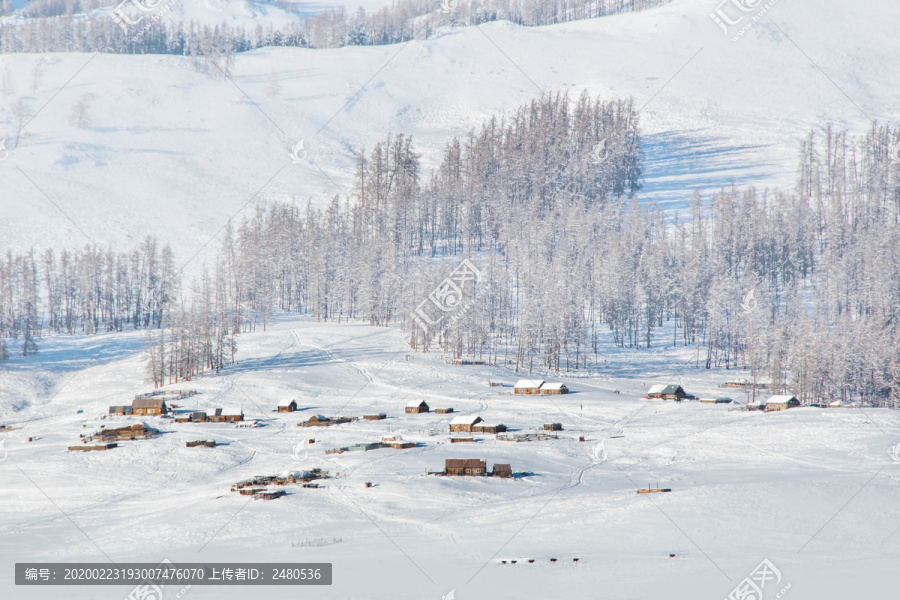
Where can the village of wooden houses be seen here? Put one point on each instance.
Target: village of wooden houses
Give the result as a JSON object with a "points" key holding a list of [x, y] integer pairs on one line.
{"points": [[333, 443], [168, 409]]}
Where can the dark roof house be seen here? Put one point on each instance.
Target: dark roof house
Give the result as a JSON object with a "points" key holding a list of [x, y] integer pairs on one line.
{"points": [[150, 407], [465, 466]]}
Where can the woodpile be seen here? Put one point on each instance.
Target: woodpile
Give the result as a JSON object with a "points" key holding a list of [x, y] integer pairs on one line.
{"points": [[263, 481], [269, 495], [320, 421], [364, 446], [138, 431], [90, 448], [529, 437]]}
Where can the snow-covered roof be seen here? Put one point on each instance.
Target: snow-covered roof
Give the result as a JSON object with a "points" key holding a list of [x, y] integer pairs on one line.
{"points": [[665, 388], [780, 399], [529, 383], [465, 420], [232, 412], [213, 412], [285, 402], [415, 404], [553, 386]]}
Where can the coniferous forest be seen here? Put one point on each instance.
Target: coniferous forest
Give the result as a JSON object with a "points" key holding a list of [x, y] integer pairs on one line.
{"points": [[801, 286]]}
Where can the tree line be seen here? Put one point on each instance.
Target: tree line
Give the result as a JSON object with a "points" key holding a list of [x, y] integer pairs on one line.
{"points": [[800, 287], [64, 25]]}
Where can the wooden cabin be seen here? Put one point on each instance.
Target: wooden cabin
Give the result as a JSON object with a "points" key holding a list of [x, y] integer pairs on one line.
{"points": [[287, 406], [465, 466], [214, 415], [552, 426], [197, 416], [417, 406], [780, 402], [233, 414], [149, 407], [487, 428], [204, 443], [464, 423], [502, 470], [554, 388], [528, 386], [120, 410], [667, 392], [402, 445]]}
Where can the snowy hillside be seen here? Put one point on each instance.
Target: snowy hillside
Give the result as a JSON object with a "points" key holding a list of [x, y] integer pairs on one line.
{"points": [[164, 150]]}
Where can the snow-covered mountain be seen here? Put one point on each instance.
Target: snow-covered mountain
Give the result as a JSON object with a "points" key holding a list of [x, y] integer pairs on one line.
{"points": [[110, 148]]}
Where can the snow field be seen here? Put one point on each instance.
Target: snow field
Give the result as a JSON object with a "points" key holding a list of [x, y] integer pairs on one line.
{"points": [[746, 486]]}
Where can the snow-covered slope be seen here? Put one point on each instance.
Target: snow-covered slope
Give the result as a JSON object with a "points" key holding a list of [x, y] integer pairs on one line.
{"points": [[174, 153], [812, 490]]}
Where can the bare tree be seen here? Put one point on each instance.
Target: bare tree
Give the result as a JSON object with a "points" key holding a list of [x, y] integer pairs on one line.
{"points": [[37, 73], [274, 89], [7, 82], [19, 114], [80, 117]]}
